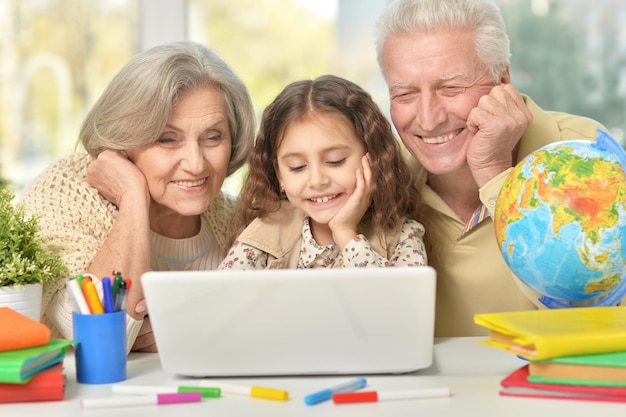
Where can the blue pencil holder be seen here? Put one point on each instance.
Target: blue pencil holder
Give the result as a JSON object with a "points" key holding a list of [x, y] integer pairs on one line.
{"points": [[100, 351]]}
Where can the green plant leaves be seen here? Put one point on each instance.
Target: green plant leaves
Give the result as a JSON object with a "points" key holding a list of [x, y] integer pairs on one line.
{"points": [[24, 258]]}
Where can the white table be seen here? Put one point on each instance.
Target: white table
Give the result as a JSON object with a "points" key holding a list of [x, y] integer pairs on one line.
{"points": [[471, 371]]}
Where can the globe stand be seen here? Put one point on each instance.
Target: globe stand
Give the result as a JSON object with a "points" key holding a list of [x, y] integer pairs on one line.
{"points": [[606, 142]]}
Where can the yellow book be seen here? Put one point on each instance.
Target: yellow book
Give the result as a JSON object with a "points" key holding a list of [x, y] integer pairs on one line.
{"points": [[545, 334]]}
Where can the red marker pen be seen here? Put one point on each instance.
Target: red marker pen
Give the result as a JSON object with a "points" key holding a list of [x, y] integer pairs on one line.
{"points": [[375, 396]]}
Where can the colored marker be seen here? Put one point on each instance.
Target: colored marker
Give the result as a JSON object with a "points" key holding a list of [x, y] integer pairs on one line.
{"points": [[79, 278], [120, 300], [116, 286], [83, 283], [327, 394], [158, 399], [253, 391], [107, 295], [206, 392], [76, 296], [375, 396], [91, 296]]}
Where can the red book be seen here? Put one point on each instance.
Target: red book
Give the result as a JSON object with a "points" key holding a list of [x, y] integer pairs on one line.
{"points": [[47, 385], [517, 385]]}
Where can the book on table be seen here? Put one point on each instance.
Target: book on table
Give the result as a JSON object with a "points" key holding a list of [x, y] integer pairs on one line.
{"points": [[517, 384], [544, 334], [46, 385]]}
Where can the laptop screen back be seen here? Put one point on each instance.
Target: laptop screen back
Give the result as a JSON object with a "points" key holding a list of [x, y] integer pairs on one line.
{"points": [[292, 322]]}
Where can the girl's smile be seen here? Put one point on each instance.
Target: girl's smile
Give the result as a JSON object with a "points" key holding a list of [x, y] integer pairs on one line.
{"points": [[324, 199]]}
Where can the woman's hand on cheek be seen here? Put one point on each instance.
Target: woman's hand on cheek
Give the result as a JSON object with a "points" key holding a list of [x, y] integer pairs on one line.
{"points": [[345, 223], [116, 177]]}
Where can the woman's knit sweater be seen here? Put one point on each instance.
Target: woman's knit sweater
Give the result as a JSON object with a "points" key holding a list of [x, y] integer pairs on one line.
{"points": [[75, 220]]}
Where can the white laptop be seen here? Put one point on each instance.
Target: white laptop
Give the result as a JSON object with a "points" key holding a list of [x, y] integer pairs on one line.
{"points": [[293, 322]]}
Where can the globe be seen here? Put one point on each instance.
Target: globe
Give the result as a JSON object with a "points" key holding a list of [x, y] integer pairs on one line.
{"points": [[560, 222]]}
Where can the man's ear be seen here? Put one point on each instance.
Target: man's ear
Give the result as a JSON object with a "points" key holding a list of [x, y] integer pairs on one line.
{"points": [[505, 78]]}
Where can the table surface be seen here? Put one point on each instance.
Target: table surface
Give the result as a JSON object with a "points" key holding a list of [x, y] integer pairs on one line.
{"points": [[472, 372]]}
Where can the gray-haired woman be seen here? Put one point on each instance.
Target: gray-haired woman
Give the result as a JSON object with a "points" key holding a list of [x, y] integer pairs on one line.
{"points": [[171, 125]]}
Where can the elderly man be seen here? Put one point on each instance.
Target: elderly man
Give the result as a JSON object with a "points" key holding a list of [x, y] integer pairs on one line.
{"points": [[446, 63]]}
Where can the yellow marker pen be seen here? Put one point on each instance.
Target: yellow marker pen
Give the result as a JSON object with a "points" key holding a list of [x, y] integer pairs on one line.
{"points": [[269, 393], [92, 298], [252, 391]]}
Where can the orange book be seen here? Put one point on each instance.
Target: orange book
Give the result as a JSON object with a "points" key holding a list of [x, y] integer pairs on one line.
{"points": [[18, 331], [47, 385], [601, 369]]}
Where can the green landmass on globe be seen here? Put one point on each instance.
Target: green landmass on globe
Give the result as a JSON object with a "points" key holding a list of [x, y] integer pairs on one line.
{"points": [[560, 221]]}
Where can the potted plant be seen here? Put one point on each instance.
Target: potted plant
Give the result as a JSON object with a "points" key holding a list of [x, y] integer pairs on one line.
{"points": [[25, 261]]}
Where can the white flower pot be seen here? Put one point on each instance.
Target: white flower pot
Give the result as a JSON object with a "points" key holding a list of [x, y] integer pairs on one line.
{"points": [[25, 299]]}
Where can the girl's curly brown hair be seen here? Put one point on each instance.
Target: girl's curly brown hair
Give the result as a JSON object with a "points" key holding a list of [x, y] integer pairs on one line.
{"points": [[394, 193]]}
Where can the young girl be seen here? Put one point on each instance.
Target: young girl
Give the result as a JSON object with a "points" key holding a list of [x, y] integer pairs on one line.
{"points": [[327, 186]]}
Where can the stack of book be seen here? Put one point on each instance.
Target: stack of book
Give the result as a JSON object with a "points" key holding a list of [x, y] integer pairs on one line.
{"points": [[31, 363], [572, 353]]}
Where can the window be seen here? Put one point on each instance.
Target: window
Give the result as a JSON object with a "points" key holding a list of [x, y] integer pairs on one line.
{"points": [[58, 55]]}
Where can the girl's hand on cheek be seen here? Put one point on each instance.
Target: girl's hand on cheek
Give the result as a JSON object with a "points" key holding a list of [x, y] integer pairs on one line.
{"points": [[345, 223]]}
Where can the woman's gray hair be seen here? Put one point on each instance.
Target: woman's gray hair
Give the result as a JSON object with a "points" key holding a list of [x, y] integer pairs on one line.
{"points": [[481, 18], [133, 110]]}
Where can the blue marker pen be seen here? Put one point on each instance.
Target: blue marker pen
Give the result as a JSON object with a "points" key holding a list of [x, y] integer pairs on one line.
{"points": [[327, 394], [107, 298]]}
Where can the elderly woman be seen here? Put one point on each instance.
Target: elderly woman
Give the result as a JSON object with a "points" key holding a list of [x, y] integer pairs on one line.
{"points": [[171, 125]]}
